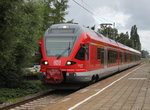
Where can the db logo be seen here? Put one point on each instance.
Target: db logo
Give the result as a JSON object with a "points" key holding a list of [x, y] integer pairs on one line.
{"points": [[57, 62]]}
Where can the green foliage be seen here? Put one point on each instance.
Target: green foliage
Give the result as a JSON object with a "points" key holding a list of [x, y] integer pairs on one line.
{"points": [[136, 44], [58, 11], [27, 88], [70, 21], [9, 30], [145, 54], [21, 24], [124, 39], [112, 33], [54, 12]]}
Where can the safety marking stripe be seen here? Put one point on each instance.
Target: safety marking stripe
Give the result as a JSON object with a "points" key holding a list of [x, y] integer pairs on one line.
{"points": [[137, 78], [88, 98]]}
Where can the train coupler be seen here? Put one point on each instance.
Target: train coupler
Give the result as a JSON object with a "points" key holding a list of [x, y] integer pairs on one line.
{"points": [[54, 76]]}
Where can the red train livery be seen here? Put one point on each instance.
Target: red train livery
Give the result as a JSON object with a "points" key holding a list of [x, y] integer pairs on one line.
{"points": [[72, 53]]}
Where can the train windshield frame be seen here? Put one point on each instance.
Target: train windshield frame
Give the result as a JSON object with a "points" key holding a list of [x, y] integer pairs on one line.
{"points": [[59, 45]]}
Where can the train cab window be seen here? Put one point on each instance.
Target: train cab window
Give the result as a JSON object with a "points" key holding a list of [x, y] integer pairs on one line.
{"points": [[83, 53]]}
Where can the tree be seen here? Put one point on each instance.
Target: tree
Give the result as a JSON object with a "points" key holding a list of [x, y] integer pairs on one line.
{"points": [[54, 12], [136, 44], [112, 33], [124, 39], [20, 27], [108, 31], [70, 21], [145, 54], [21, 24]]}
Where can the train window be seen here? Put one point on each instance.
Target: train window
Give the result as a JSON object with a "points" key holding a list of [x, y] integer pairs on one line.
{"points": [[81, 54], [102, 56], [134, 57], [59, 45], [87, 51], [125, 57], [130, 57], [98, 53], [121, 57], [112, 57]]}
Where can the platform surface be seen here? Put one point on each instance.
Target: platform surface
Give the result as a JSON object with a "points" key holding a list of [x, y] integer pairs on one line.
{"points": [[128, 90]]}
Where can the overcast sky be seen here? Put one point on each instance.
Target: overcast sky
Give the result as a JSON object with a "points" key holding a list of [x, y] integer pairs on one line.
{"points": [[124, 13]]}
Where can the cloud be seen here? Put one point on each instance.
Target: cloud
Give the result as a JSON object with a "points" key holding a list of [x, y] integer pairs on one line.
{"points": [[111, 15], [79, 15], [125, 14], [139, 11], [145, 39]]}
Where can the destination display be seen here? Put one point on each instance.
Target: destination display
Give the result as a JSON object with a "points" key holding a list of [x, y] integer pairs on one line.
{"points": [[61, 30]]}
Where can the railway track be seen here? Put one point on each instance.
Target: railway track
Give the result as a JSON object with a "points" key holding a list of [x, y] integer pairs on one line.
{"points": [[38, 101]]}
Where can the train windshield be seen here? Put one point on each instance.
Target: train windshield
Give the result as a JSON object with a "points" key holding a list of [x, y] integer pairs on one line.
{"points": [[59, 46]]}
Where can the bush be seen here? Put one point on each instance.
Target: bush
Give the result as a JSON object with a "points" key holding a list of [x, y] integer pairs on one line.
{"points": [[28, 87]]}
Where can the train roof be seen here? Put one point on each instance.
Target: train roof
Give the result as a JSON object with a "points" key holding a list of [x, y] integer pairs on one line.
{"points": [[78, 29], [109, 41]]}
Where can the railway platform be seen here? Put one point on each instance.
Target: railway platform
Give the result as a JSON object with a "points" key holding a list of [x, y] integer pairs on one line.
{"points": [[127, 90]]}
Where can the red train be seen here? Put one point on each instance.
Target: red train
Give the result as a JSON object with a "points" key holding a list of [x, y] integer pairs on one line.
{"points": [[72, 53]]}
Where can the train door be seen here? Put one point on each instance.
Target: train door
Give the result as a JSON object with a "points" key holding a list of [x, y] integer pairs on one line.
{"points": [[105, 57], [92, 56]]}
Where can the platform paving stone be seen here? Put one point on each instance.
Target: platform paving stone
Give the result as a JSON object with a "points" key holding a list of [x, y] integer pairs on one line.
{"points": [[130, 93]]}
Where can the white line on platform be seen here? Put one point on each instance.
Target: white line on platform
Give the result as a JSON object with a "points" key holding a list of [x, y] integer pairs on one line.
{"points": [[137, 78], [88, 98]]}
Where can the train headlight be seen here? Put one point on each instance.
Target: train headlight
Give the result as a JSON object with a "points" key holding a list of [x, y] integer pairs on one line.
{"points": [[70, 63], [45, 62]]}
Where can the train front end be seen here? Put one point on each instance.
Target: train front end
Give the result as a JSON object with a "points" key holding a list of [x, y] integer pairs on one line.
{"points": [[63, 53]]}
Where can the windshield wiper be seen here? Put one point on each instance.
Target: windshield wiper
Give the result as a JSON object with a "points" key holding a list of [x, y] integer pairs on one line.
{"points": [[63, 52]]}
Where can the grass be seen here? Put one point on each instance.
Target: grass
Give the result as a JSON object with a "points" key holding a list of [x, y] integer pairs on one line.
{"points": [[28, 88]]}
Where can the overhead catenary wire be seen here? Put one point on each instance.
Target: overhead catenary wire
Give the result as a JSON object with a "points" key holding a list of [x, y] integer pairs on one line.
{"points": [[107, 20], [93, 10], [90, 12]]}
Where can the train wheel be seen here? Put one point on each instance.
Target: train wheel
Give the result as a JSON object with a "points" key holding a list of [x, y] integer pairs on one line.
{"points": [[93, 80], [97, 78]]}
